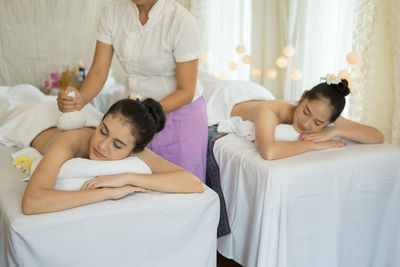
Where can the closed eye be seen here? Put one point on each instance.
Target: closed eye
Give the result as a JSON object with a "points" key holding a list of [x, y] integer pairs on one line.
{"points": [[117, 146]]}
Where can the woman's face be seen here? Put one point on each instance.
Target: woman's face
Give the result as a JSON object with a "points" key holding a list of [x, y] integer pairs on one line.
{"points": [[112, 139], [312, 116]]}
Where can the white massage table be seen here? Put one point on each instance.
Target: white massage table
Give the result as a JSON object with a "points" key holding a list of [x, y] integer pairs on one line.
{"points": [[142, 229], [338, 207]]}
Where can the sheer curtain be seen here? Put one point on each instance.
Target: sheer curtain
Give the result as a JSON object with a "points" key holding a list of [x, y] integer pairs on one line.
{"points": [[226, 32], [319, 32], [376, 93]]}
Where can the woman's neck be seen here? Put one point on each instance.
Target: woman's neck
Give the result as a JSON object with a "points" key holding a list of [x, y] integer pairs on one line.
{"points": [[144, 10]]}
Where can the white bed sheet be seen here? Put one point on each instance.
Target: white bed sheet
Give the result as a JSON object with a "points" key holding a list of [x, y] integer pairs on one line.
{"points": [[336, 207], [143, 229]]}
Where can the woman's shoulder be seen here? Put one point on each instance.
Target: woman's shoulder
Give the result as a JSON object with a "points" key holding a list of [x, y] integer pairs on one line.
{"points": [[77, 140]]}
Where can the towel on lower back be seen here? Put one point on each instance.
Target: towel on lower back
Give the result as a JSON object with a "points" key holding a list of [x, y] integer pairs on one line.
{"points": [[75, 172], [25, 112], [222, 95], [283, 132]]}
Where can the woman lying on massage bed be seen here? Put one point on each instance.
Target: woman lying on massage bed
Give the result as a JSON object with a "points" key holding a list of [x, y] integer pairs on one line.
{"points": [[125, 130], [311, 117]]}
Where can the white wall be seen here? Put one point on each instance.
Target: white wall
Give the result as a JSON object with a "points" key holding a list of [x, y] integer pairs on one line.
{"points": [[39, 36]]}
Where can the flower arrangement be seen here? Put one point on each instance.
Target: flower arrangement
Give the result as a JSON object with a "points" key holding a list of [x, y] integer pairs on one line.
{"points": [[24, 163], [331, 79], [70, 76]]}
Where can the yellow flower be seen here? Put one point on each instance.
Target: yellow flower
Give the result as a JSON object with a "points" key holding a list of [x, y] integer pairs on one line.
{"points": [[24, 163], [19, 161]]}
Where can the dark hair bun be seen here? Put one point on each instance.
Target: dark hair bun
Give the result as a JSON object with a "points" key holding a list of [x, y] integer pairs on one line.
{"points": [[343, 87], [157, 111]]}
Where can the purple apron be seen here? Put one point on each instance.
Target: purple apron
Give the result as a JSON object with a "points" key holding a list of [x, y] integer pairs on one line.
{"points": [[183, 141]]}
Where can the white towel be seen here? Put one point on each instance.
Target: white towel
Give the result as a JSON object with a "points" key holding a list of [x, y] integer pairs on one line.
{"points": [[26, 112], [222, 95], [283, 132], [76, 171]]}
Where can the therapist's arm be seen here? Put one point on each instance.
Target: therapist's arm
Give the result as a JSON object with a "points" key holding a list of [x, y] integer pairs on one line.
{"points": [[186, 79], [92, 84]]}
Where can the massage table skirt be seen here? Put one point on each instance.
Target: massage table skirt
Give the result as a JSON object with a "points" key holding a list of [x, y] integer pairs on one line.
{"points": [[337, 207], [143, 229]]}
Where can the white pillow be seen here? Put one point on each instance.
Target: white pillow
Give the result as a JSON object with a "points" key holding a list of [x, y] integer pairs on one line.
{"points": [[74, 172]]}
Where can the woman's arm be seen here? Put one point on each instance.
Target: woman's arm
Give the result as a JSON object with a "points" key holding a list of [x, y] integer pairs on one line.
{"points": [[40, 197], [358, 132], [348, 129], [265, 123], [92, 84], [165, 177], [186, 79]]}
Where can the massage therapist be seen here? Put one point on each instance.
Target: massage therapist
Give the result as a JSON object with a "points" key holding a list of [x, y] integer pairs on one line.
{"points": [[157, 43]]}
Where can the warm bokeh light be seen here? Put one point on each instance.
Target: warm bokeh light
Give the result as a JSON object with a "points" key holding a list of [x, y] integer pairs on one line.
{"points": [[271, 73], [233, 66], [240, 49], [344, 74], [288, 51], [281, 62], [352, 58], [246, 59], [296, 74], [256, 71], [222, 77]]}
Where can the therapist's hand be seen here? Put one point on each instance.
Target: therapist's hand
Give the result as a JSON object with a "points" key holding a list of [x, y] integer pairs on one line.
{"points": [[68, 103]]}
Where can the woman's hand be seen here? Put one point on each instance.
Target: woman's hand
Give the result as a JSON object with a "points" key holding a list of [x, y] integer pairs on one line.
{"points": [[324, 135], [115, 180], [328, 144], [68, 103], [120, 192]]}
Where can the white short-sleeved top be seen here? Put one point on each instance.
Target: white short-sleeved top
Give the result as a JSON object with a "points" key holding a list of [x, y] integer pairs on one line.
{"points": [[148, 53]]}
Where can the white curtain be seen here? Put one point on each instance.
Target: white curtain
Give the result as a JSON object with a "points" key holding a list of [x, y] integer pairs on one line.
{"points": [[225, 25], [319, 31], [376, 93], [40, 36]]}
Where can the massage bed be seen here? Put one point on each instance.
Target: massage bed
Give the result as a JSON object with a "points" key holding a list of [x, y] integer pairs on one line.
{"points": [[337, 207], [141, 229]]}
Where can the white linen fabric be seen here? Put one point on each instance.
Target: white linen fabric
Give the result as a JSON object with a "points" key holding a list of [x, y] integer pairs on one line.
{"points": [[25, 112], [222, 95], [148, 53], [338, 207], [75, 172], [283, 132], [143, 229]]}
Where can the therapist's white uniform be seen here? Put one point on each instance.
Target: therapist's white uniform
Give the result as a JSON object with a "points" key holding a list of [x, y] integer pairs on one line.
{"points": [[148, 53]]}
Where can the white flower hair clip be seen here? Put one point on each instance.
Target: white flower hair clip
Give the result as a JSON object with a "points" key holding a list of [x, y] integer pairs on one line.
{"points": [[331, 79], [136, 97]]}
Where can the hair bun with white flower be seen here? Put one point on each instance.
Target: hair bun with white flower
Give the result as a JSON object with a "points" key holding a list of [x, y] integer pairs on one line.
{"points": [[341, 85]]}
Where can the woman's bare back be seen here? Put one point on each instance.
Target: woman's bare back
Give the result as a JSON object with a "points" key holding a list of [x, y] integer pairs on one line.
{"points": [[282, 109], [78, 138]]}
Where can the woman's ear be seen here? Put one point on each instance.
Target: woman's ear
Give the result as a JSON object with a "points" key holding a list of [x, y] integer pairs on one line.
{"points": [[303, 95]]}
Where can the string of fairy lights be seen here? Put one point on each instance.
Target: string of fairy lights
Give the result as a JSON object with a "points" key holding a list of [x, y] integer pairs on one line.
{"points": [[281, 62]]}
